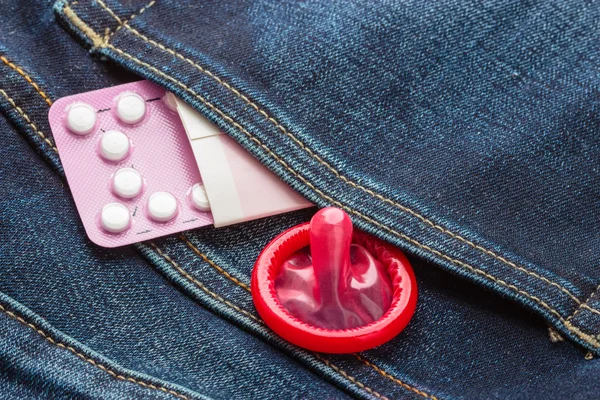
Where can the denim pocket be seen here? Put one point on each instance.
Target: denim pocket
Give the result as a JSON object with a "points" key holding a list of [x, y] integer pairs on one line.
{"points": [[291, 84], [489, 208]]}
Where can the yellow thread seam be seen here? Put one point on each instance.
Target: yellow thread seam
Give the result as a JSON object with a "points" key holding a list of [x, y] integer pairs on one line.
{"points": [[127, 21], [394, 379], [27, 78], [28, 121], [90, 360]]}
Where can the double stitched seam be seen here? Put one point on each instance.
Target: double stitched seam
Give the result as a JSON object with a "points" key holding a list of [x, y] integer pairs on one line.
{"points": [[27, 78], [330, 167], [89, 360], [393, 378], [360, 358], [215, 296], [28, 121]]}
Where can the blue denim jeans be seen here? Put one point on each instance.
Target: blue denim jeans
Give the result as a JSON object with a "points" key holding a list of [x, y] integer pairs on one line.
{"points": [[464, 133]]}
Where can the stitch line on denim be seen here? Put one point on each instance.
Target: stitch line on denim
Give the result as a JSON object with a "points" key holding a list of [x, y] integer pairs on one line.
{"points": [[28, 121], [27, 78], [393, 378], [200, 285], [335, 171], [126, 21], [582, 335], [360, 358], [213, 264], [585, 304], [89, 360]]}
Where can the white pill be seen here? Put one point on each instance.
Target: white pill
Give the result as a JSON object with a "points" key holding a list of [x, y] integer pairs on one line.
{"points": [[127, 183], [115, 217], [131, 107], [114, 145], [199, 197], [81, 118], [169, 100], [162, 206]]}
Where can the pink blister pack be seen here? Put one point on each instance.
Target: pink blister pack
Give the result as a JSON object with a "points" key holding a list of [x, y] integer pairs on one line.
{"points": [[129, 164]]}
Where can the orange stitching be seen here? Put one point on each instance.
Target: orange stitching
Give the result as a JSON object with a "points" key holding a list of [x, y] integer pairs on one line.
{"points": [[393, 378], [212, 264], [260, 321], [27, 78], [332, 169], [90, 360], [583, 305], [26, 118], [585, 337]]}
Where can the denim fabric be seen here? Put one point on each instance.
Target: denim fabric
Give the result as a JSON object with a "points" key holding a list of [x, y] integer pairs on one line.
{"points": [[462, 132]]}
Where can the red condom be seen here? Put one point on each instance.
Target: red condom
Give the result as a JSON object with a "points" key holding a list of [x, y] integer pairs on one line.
{"points": [[345, 292]]}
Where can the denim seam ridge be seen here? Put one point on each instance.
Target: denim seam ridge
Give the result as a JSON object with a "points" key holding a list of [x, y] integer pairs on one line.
{"points": [[213, 264], [332, 169], [586, 337], [27, 78], [393, 378], [190, 278], [90, 360], [28, 121], [585, 305], [361, 359], [123, 22]]}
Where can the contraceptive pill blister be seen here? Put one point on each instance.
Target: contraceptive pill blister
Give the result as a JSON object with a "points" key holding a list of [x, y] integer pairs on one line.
{"points": [[129, 164]]}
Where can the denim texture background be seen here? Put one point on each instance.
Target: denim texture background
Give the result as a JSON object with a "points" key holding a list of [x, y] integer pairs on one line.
{"points": [[462, 132]]}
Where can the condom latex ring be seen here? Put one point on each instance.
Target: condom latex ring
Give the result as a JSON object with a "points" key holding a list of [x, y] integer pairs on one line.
{"points": [[323, 287]]}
